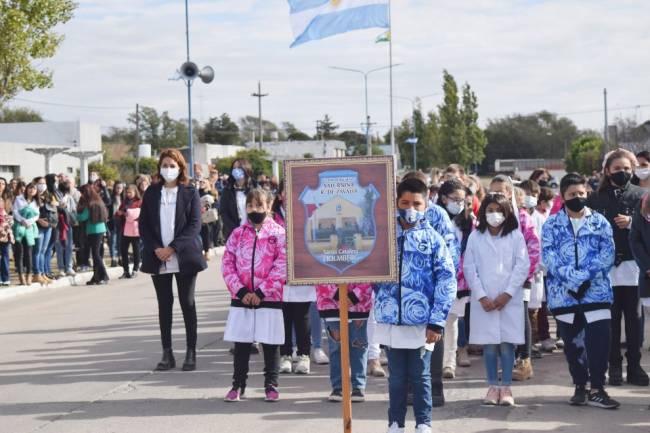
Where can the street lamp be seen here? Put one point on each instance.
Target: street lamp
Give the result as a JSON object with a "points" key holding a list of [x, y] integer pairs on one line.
{"points": [[413, 140], [365, 83], [188, 72]]}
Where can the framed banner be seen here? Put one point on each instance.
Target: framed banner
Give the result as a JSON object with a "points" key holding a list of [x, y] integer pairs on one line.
{"points": [[340, 220]]}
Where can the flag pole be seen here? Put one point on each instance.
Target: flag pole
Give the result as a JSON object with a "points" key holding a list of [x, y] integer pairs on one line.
{"points": [[390, 55]]}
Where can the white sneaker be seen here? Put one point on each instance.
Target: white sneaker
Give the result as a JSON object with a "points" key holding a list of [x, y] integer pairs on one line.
{"points": [[423, 428], [320, 357], [285, 365], [448, 373], [395, 429], [303, 365], [549, 345]]}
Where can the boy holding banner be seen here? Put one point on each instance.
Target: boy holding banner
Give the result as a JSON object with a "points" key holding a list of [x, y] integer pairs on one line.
{"points": [[411, 313]]}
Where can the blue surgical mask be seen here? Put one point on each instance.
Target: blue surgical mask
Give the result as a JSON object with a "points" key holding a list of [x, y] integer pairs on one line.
{"points": [[411, 216], [238, 173]]}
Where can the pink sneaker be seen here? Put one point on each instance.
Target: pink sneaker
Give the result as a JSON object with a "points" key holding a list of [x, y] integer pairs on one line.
{"points": [[505, 396], [492, 397], [232, 396], [272, 394]]}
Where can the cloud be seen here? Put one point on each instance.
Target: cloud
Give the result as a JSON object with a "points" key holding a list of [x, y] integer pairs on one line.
{"points": [[519, 56]]}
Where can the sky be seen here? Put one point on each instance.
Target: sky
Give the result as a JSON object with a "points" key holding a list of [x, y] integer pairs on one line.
{"points": [[519, 56]]}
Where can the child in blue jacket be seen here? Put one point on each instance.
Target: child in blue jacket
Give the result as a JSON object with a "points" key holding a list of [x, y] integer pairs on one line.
{"points": [[411, 313]]}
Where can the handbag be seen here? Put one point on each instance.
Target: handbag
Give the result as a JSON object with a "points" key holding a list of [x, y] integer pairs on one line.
{"points": [[210, 216]]}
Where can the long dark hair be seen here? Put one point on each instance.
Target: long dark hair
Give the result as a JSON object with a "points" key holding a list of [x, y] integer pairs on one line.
{"points": [[509, 225], [464, 219], [245, 165], [277, 202]]}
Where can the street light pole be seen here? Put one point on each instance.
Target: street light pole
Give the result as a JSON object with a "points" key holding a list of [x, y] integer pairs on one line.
{"points": [[365, 82], [259, 95]]}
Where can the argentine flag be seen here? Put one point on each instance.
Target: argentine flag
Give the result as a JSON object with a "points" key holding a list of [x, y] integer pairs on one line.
{"points": [[318, 19]]}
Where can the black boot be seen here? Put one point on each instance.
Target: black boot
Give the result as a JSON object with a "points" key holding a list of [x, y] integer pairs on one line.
{"points": [[190, 360], [636, 376], [167, 362], [437, 394], [615, 375]]}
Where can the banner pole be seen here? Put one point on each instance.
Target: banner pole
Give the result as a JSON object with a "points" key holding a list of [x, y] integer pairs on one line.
{"points": [[345, 358]]}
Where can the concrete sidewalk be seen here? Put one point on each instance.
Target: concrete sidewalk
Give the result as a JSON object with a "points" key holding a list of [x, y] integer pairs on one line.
{"points": [[80, 360]]}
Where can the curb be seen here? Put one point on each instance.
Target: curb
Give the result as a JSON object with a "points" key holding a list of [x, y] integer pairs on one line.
{"points": [[78, 280]]}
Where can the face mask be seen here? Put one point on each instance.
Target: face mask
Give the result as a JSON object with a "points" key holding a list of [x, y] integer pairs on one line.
{"points": [[642, 173], [411, 216], [256, 217], [238, 174], [530, 201], [576, 204], [542, 183], [455, 208], [495, 219], [621, 178], [41, 188], [170, 174]]}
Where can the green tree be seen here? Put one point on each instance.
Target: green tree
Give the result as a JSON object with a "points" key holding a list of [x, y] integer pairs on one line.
{"points": [[326, 128], [259, 159], [221, 130], [308, 155], [452, 129], [149, 126], [106, 171], [27, 37], [249, 127], [585, 154], [293, 133], [475, 140], [19, 115]]}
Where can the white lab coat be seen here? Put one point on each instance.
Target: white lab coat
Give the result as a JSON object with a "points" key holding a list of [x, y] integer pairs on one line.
{"points": [[494, 265]]}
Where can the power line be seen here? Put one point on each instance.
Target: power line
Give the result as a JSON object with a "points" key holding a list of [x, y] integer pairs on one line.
{"points": [[57, 104]]}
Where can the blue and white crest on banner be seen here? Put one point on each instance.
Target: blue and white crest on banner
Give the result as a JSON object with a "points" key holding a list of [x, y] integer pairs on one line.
{"points": [[340, 229]]}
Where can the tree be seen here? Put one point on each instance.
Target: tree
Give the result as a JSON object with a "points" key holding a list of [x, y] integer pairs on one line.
{"points": [[475, 139], [19, 115], [26, 37], [308, 155], [149, 126], [106, 171], [293, 133], [585, 154], [326, 128], [452, 129], [221, 130], [249, 128], [258, 159]]}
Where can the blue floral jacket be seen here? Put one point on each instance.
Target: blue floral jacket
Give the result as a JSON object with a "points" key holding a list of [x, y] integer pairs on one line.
{"points": [[571, 260], [427, 283], [441, 223]]}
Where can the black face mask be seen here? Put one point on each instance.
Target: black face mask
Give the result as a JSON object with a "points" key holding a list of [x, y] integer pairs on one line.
{"points": [[256, 217], [576, 204], [543, 183], [621, 178]]}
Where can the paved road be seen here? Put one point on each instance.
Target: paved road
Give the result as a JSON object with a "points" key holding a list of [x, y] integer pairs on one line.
{"points": [[79, 359]]}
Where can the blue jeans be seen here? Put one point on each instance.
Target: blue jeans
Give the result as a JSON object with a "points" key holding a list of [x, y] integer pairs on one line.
{"points": [[115, 239], [358, 354], [316, 327], [64, 253], [47, 264], [4, 262], [491, 354], [409, 367], [462, 335], [40, 246]]}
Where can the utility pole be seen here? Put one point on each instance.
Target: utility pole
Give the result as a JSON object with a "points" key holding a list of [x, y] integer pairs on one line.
{"points": [[366, 126], [137, 139], [259, 95], [606, 135]]}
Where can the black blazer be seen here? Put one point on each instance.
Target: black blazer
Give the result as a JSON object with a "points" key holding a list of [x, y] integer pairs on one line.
{"points": [[640, 245], [228, 208], [187, 239]]}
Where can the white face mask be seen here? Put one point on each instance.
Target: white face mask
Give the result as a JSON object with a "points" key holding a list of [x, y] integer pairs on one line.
{"points": [[530, 201], [642, 173], [41, 188], [455, 208], [170, 174], [495, 219]]}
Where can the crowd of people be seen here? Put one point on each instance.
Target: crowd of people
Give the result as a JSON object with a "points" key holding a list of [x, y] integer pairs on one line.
{"points": [[482, 270]]}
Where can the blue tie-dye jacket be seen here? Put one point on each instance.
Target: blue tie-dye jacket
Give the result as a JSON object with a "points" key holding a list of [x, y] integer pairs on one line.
{"points": [[441, 223], [570, 260], [427, 285]]}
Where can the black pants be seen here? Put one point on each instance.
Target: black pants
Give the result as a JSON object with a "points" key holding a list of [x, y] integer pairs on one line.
{"points": [[437, 358], [206, 236], [99, 270], [217, 237], [543, 327], [586, 346], [296, 316], [134, 243], [523, 350], [23, 257], [626, 303], [165, 295], [271, 364]]}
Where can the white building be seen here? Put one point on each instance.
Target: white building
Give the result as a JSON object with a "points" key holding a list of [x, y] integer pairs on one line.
{"points": [[34, 149], [282, 150]]}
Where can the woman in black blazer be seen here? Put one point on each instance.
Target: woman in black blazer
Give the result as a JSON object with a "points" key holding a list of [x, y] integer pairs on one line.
{"points": [[232, 206], [170, 226]]}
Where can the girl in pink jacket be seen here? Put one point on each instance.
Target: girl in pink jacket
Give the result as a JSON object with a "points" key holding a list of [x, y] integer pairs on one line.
{"points": [[254, 269], [359, 305]]}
